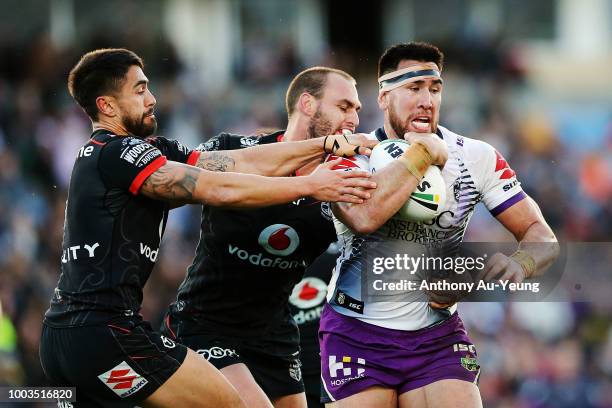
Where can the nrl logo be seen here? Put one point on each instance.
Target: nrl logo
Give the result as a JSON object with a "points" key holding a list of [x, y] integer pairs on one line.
{"points": [[470, 363]]}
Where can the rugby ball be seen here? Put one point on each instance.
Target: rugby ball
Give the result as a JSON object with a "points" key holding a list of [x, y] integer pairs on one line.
{"points": [[429, 197]]}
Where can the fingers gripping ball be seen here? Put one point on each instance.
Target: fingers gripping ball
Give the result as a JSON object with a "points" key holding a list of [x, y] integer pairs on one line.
{"points": [[429, 197]]}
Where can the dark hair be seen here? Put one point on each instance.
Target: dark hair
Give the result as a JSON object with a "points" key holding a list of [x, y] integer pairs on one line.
{"points": [[100, 72], [418, 51], [311, 80]]}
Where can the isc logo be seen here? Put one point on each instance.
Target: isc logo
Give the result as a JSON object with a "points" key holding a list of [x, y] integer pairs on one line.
{"points": [[465, 347]]}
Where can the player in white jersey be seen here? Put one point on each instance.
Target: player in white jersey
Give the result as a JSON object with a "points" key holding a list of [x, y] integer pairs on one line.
{"points": [[417, 353]]}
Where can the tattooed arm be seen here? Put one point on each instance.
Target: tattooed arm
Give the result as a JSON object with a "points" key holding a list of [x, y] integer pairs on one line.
{"points": [[276, 159], [218, 161], [177, 182]]}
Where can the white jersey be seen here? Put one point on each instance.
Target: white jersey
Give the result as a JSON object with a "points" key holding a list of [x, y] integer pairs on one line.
{"points": [[474, 172]]}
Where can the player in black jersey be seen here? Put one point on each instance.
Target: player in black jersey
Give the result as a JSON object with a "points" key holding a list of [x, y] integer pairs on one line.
{"points": [[306, 303], [121, 189], [233, 305]]}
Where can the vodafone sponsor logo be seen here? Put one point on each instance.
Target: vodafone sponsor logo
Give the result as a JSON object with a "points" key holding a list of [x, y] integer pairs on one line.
{"points": [[276, 239], [310, 292], [279, 239], [260, 260], [308, 296], [146, 250]]}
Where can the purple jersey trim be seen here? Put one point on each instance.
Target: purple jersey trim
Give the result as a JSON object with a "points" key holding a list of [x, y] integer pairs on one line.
{"points": [[508, 203]]}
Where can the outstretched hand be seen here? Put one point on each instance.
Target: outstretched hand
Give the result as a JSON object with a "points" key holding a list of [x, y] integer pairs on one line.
{"points": [[347, 144], [340, 186]]}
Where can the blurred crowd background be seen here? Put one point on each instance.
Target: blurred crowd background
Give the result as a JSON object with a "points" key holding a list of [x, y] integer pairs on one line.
{"points": [[529, 77]]}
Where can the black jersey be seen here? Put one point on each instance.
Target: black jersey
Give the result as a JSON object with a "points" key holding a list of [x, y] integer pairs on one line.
{"points": [[248, 261], [306, 303], [111, 234]]}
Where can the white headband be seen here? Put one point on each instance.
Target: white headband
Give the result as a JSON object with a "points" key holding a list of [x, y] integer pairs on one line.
{"points": [[400, 77]]}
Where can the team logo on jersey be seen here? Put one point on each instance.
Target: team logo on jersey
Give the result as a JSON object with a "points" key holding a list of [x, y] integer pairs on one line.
{"points": [[457, 188], [295, 369], [470, 363], [326, 211], [502, 165], [310, 292], [279, 239], [123, 380]]}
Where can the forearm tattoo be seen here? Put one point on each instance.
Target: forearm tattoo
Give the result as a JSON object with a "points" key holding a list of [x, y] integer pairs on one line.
{"points": [[215, 161], [171, 183]]}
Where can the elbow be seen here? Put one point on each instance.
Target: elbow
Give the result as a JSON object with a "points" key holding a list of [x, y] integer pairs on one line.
{"points": [[222, 197], [364, 228], [357, 218], [364, 223]]}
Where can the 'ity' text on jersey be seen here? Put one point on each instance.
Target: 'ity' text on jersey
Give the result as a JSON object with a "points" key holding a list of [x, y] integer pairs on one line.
{"points": [[111, 233]]}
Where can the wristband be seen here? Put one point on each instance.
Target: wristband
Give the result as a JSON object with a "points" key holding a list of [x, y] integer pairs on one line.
{"points": [[417, 160], [526, 261]]}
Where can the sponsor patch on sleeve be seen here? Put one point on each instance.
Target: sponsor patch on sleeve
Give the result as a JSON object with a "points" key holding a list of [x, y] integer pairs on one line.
{"points": [[139, 153]]}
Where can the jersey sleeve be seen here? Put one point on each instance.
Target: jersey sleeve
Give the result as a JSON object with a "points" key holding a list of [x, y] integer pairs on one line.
{"points": [[228, 141], [495, 179], [175, 150], [127, 162]]}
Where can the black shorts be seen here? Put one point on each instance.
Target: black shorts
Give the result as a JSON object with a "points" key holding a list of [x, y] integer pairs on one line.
{"points": [[276, 366], [116, 364]]}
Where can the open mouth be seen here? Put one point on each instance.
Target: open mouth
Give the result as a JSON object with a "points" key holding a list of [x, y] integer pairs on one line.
{"points": [[341, 131], [421, 123]]}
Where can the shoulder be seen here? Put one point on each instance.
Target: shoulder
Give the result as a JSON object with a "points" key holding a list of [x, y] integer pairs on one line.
{"points": [[473, 149]]}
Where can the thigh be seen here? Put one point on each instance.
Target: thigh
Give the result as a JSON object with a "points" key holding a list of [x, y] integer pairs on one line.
{"points": [[242, 379], [375, 396], [291, 401], [195, 384], [225, 355], [443, 393]]}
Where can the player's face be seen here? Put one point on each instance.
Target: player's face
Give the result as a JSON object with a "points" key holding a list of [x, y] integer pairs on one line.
{"points": [[337, 109], [137, 103], [415, 106]]}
